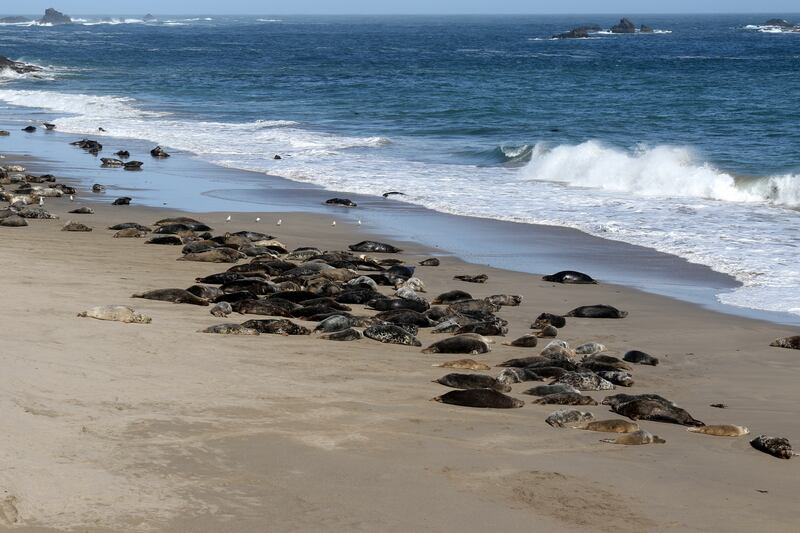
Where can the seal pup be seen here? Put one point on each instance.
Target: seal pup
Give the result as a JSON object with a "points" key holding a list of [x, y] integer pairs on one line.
{"points": [[178, 296], [792, 343], [721, 430], [614, 425], [116, 313], [432, 262], [229, 329], [597, 311], [636, 438], [640, 358], [565, 398], [526, 341], [459, 344], [570, 276], [463, 364], [481, 398], [479, 278], [349, 334], [391, 334], [776, 446], [221, 309], [546, 390], [568, 417], [472, 381]]}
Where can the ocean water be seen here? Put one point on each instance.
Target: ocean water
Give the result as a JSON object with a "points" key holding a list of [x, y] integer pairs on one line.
{"points": [[684, 140]]}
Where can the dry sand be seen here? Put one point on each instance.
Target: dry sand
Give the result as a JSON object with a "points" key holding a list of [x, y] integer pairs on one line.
{"points": [[129, 427]]}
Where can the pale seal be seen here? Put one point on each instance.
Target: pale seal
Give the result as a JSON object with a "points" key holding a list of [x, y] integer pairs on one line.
{"points": [[464, 364], [615, 425], [721, 430], [116, 313], [787, 342], [636, 438], [565, 398], [391, 334]]}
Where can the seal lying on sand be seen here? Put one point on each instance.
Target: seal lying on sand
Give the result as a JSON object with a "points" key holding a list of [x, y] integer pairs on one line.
{"points": [[776, 446], [83, 211], [130, 233], [721, 430], [217, 255], [432, 262], [526, 341], [480, 278], [636, 438], [452, 297], [349, 334], [222, 309], [547, 390], [585, 381], [472, 381], [657, 411], [549, 319], [483, 398], [229, 329], [570, 276], [178, 296], [610, 426], [375, 247], [116, 313], [464, 364], [568, 417], [277, 326], [565, 398], [787, 342], [75, 226], [391, 334], [597, 311], [640, 358], [460, 344]]}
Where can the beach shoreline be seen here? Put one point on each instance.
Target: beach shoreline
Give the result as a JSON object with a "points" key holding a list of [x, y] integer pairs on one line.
{"points": [[156, 427]]}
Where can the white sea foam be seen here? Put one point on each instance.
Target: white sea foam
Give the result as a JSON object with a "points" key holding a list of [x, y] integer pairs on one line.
{"points": [[662, 197]]}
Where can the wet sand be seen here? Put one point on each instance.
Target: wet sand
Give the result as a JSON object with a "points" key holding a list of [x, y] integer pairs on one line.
{"points": [[130, 427]]}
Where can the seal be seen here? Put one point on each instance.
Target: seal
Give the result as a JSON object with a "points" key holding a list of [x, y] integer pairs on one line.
{"points": [[483, 328], [473, 307], [217, 255], [590, 348], [110, 162], [374, 247], [585, 381], [640, 358], [75, 226], [636, 438], [518, 375], [129, 233], [720, 430], [13, 221], [99, 188], [597, 311], [122, 200], [229, 329], [178, 296], [617, 377], [570, 276], [221, 309], [169, 240], [565, 398], [391, 334], [615, 425], [618, 399], [459, 344], [549, 319], [463, 364], [335, 323], [116, 313], [432, 262], [568, 417], [404, 317], [657, 411], [451, 297], [479, 278], [278, 326], [206, 292], [792, 343], [481, 398], [271, 307], [159, 152], [546, 390], [547, 332], [776, 446], [82, 211], [472, 381], [511, 300], [526, 341], [342, 202], [599, 361], [348, 334]]}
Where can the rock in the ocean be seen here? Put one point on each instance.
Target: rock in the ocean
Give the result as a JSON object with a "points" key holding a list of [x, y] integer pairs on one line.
{"points": [[16, 66], [645, 29], [149, 18], [624, 26], [13, 20], [576, 33], [781, 23], [51, 16]]}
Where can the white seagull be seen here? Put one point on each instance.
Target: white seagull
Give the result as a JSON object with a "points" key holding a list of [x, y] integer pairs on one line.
{"points": [[359, 222], [280, 221], [333, 223], [41, 200], [228, 219], [71, 198], [258, 219]]}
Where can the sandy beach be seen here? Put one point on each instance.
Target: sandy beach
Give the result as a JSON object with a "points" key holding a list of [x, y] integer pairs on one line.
{"points": [[157, 427]]}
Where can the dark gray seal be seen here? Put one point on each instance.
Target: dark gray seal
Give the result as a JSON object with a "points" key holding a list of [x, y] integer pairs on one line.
{"points": [[122, 200], [568, 418], [75, 226], [159, 152], [640, 358], [432, 262], [565, 398], [775, 446], [547, 390], [83, 211], [570, 276], [657, 411], [342, 202], [481, 398], [374, 247], [462, 344], [597, 311], [479, 278], [169, 240], [178, 296], [349, 334], [472, 381], [526, 341], [277, 327], [549, 319], [452, 297], [13, 221]]}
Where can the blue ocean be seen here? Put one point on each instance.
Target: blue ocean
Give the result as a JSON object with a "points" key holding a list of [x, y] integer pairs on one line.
{"points": [[684, 140]]}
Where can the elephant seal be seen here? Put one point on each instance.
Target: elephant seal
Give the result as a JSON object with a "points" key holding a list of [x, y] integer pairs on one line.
{"points": [[479, 278], [526, 341], [776, 446], [482, 398], [472, 381], [277, 326], [549, 319], [348, 334], [510, 300], [657, 411], [342, 202], [230, 329], [128, 225], [159, 152], [636, 438], [221, 309], [570, 276], [585, 381], [617, 377], [432, 262], [178, 296], [452, 297], [459, 344], [13, 221], [590, 348], [391, 334], [463, 364], [82, 211], [568, 417], [787, 342], [75, 226], [565, 398], [597, 311], [546, 390], [721, 430], [374, 247], [640, 358], [615, 425], [129, 233], [547, 332], [116, 313], [217, 255]]}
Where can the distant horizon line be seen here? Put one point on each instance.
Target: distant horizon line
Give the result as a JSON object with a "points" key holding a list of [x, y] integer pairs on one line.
{"points": [[610, 13]]}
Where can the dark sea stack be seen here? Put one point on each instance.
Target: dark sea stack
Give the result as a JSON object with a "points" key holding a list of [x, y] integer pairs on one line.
{"points": [[16, 66], [149, 18], [577, 33], [645, 29], [624, 26], [14, 20], [51, 16], [781, 23]]}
